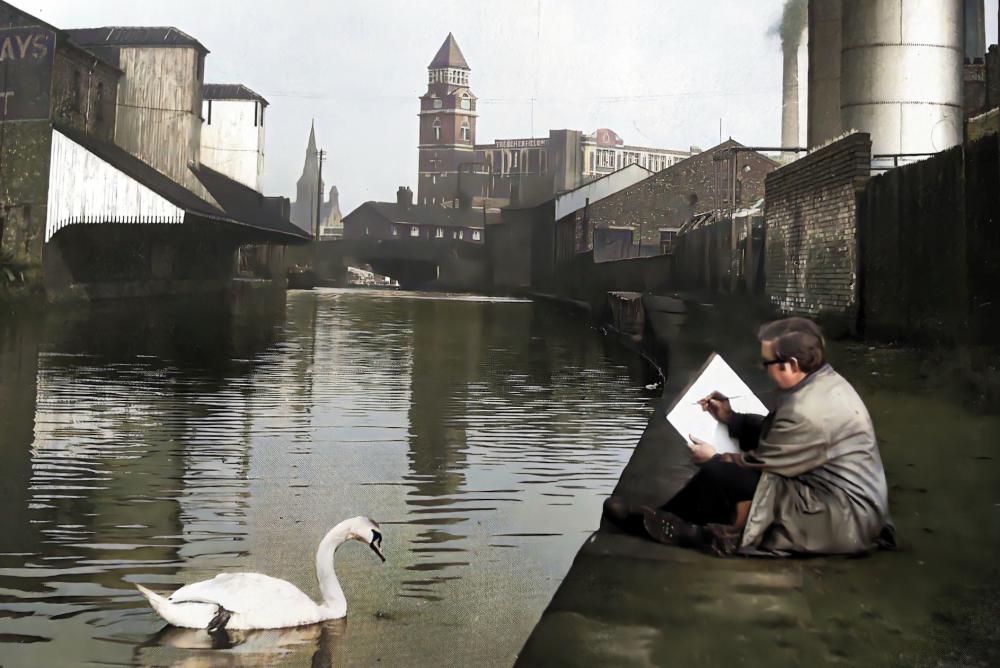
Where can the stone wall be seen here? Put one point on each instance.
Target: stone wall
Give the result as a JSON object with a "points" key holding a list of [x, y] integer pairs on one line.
{"points": [[92, 262], [810, 212]]}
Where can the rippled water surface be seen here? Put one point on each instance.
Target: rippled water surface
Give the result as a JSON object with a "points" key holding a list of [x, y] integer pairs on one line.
{"points": [[163, 444]]}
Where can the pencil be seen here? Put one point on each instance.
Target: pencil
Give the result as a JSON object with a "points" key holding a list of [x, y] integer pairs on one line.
{"points": [[737, 396]]}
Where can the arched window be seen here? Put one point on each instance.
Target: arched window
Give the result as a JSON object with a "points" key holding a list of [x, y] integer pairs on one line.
{"points": [[465, 131], [437, 129]]}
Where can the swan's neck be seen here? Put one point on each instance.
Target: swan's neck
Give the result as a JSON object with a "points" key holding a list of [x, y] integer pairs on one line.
{"points": [[333, 595]]}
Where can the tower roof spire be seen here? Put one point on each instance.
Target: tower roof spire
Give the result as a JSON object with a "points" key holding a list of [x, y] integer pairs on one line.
{"points": [[449, 55]]}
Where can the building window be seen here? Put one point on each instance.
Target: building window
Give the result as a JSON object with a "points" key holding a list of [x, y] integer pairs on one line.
{"points": [[395, 231], [414, 231], [465, 130], [439, 233], [667, 241], [466, 102], [366, 231], [437, 129], [461, 234], [208, 113], [475, 235]]}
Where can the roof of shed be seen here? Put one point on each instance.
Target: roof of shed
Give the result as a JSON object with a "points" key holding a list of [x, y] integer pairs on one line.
{"points": [[239, 204], [145, 174], [230, 92], [245, 205], [155, 36]]}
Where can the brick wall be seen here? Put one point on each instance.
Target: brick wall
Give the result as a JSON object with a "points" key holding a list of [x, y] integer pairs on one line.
{"points": [[810, 210], [669, 198]]}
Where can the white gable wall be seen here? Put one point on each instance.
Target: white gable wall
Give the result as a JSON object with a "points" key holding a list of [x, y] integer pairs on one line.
{"points": [[83, 189], [233, 142]]}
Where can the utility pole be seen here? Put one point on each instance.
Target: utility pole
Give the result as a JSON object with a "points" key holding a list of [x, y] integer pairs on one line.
{"points": [[321, 154]]}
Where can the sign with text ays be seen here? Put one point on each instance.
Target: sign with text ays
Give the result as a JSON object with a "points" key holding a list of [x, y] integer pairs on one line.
{"points": [[26, 57]]}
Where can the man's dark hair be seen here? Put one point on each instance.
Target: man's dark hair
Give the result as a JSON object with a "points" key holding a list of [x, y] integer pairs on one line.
{"points": [[800, 338]]}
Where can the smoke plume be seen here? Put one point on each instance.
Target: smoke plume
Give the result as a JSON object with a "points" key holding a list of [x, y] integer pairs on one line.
{"points": [[793, 21]]}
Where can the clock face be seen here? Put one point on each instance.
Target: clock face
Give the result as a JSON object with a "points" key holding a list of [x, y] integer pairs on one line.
{"points": [[438, 103]]}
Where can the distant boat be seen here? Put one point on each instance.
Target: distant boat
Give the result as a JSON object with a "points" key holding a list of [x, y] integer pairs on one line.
{"points": [[301, 278]]}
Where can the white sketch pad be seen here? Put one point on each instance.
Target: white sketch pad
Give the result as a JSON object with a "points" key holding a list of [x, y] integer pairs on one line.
{"points": [[687, 417]]}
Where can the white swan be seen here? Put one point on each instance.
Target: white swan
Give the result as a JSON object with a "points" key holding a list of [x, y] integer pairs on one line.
{"points": [[245, 601]]}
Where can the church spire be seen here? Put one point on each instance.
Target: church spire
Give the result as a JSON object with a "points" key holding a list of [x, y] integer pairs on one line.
{"points": [[312, 137]]}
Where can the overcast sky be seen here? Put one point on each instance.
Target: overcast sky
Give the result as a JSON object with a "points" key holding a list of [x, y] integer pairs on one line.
{"points": [[658, 72]]}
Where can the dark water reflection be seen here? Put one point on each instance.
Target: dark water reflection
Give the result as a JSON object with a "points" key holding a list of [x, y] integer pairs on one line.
{"points": [[162, 444]]}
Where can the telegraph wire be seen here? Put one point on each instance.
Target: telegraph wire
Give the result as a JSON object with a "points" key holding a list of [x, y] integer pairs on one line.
{"points": [[527, 100]]}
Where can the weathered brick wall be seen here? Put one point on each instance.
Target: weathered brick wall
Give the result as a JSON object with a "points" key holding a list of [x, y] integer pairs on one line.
{"points": [[810, 210], [92, 107], [83, 96], [671, 197]]}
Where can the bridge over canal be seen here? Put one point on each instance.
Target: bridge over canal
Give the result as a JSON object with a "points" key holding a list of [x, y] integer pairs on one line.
{"points": [[447, 264]]}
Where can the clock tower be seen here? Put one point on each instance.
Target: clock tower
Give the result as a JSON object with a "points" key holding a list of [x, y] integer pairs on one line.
{"points": [[447, 126]]}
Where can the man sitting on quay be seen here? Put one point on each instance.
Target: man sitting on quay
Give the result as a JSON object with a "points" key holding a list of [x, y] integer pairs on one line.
{"points": [[808, 479]]}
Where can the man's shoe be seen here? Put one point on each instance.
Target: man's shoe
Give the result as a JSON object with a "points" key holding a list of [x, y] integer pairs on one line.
{"points": [[723, 540], [665, 527]]}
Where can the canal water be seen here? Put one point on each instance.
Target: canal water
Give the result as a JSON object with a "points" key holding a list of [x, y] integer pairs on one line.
{"points": [[162, 444]]}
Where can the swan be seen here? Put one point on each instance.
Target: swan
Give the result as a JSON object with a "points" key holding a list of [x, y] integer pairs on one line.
{"points": [[247, 601]]}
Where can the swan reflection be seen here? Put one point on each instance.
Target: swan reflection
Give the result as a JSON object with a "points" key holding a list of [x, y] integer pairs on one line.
{"points": [[314, 645]]}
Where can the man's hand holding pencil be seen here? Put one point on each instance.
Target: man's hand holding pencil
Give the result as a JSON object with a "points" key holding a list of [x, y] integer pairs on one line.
{"points": [[717, 404]]}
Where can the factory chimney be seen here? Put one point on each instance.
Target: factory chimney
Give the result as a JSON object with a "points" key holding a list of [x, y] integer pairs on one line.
{"points": [[791, 30]]}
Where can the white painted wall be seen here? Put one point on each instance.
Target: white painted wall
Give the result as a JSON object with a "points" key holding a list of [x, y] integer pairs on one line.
{"points": [[84, 189], [231, 143], [599, 189]]}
